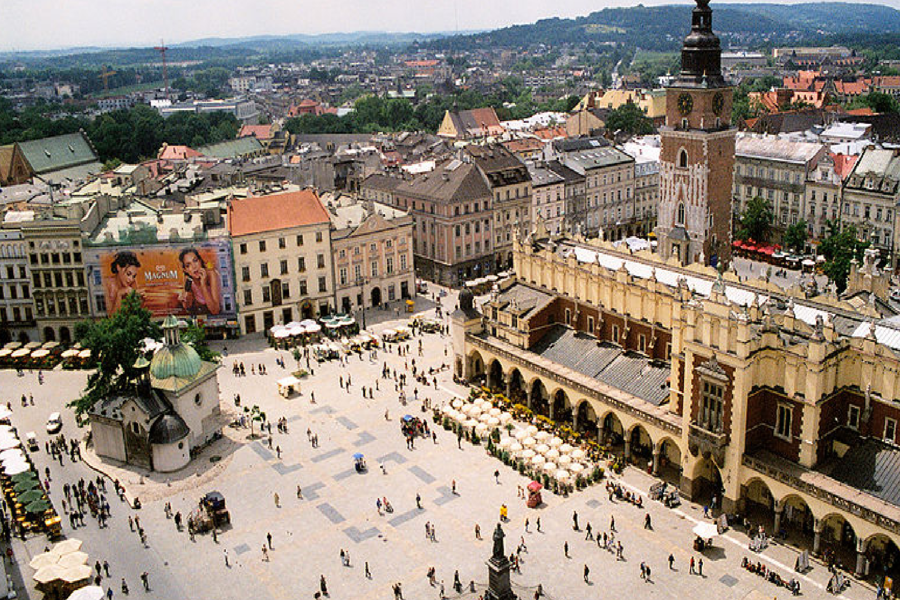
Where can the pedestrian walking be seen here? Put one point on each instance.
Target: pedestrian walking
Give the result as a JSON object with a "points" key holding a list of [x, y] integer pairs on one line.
{"points": [[575, 520], [299, 493], [700, 567], [538, 523], [323, 586], [477, 531], [589, 535], [145, 579], [277, 500], [269, 539], [647, 523], [225, 553], [586, 573], [368, 574], [612, 523], [526, 524], [692, 572], [497, 477], [106, 568], [671, 562], [566, 549], [265, 553]]}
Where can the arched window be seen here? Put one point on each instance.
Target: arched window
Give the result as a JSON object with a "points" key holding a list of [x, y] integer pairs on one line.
{"points": [[679, 214], [682, 159], [197, 400]]}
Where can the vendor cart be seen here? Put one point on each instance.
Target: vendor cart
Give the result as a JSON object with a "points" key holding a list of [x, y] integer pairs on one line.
{"points": [[359, 463], [288, 386], [534, 495]]}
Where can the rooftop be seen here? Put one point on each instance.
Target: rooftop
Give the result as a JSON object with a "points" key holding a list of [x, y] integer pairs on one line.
{"points": [[259, 214], [770, 147]]}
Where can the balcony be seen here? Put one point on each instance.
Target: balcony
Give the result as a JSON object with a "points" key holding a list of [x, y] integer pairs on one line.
{"points": [[702, 441]]}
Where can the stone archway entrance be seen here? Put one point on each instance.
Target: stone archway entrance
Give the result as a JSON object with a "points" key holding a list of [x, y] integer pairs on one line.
{"points": [[561, 410], [613, 434], [539, 401], [49, 334], [64, 336], [376, 296], [706, 483], [495, 377], [516, 387], [640, 448], [586, 420], [883, 557]]}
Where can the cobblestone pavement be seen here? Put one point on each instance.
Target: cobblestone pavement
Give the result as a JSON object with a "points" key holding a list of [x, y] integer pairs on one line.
{"points": [[338, 508]]}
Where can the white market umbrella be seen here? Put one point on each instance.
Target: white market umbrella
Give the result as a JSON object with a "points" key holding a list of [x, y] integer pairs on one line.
{"points": [[48, 574], [5, 413], [542, 448], [313, 328], [5, 352], [11, 454], [549, 467], [16, 469], [70, 353], [515, 447], [45, 559], [493, 422], [457, 404], [21, 352], [577, 453], [566, 448], [495, 412], [541, 436], [32, 345], [481, 429], [564, 460], [555, 442], [472, 410], [552, 454], [538, 460], [529, 454], [576, 467], [562, 475], [521, 435], [505, 418], [76, 573], [85, 353], [40, 353], [90, 592], [484, 418], [706, 530], [9, 442], [67, 546], [73, 559], [280, 335], [470, 423], [531, 429], [528, 442], [505, 443]]}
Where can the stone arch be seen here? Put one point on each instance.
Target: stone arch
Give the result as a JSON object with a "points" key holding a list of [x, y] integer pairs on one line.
{"points": [[612, 433], [838, 540], [538, 398], [495, 379], [796, 521], [758, 498], [586, 421], [49, 334], [65, 337], [23, 337], [883, 556], [561, 407], [668, 460], [5, 336], [476, 367], [515, 386], [706, 481], [639, 446]]}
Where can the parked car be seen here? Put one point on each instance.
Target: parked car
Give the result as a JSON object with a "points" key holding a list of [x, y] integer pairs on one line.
{"points": [[54, 423]]}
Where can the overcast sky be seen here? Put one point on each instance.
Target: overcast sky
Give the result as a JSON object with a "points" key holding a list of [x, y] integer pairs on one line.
{"points": [[50, 24]]}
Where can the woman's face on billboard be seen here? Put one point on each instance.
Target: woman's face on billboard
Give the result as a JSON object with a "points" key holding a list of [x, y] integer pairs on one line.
{"points": [[192, 265]]}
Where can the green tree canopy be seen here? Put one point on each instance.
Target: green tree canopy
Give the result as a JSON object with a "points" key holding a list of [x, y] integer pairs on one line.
{"points": [[756, 220], [115, 343], [839, 248], [795, 236], [629, 118]]}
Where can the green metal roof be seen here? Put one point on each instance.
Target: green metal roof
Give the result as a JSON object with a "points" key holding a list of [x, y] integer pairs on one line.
{"points": [[59, 152], [232, 148], [179, 361]]}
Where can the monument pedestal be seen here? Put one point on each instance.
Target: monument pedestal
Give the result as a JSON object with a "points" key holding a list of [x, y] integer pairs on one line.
{"points": [[498, 580]]}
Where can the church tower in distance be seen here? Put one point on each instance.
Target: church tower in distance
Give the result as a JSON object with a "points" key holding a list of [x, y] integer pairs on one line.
{"points": [[697, 153]]}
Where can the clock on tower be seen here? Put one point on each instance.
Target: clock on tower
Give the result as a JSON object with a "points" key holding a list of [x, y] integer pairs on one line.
{"points": [[697, 152]]}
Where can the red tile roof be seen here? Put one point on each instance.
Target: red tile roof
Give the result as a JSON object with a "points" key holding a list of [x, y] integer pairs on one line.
{"points": [[861, 112], [550, 133], [277, 211], [422, 63], [168, 152], [260, 132], [843, 164]]}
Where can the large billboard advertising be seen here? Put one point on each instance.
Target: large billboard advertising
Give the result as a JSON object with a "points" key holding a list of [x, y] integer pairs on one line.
{"points": [[185, 280]]}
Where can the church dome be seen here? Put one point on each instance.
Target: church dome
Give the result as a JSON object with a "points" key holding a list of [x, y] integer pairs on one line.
{"points": [[168, 429], [180, 361]]}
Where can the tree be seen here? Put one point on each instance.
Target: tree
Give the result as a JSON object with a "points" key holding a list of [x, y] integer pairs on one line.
{"points": [[795, 236], [195, 336], [115, 343], [839, 248], [756, 220], [629, 118]]}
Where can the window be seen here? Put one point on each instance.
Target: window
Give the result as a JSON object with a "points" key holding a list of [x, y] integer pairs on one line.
{"points": [[282, 244], [300, 240], [250, 323], [267, 294], [615, 334], [318, 236], [245, 273], [642, 343], [389, 265], [357, 272], [303, 290], [402, 262], [197, 400], [301, 264], [590, 326], [568, 317], [711, 406], [374, 270], [679, 215], [342, 253], [262, 245], [320, 261], [264, 270], [890, 430], [342, 274], [284, 268], [323, 286], [248, 297], [285, 289], [853, 417], [783, 422]]}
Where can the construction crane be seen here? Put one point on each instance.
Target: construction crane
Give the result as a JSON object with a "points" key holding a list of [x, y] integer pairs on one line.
{"points": [[105, 75], [162, 50]]}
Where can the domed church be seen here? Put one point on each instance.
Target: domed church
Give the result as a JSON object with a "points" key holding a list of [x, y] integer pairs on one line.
{"points": [[172, 409]]}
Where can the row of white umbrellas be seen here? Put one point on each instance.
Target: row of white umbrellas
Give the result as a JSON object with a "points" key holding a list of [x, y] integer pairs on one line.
{"points": [[65, 561]]}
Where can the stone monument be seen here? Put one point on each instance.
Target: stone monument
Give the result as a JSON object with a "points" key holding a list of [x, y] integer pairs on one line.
{"points": [[498, 570]]}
